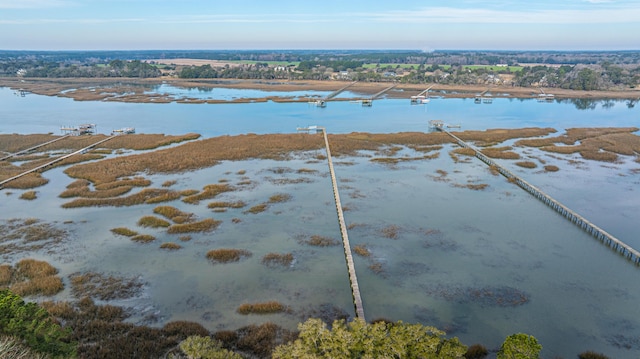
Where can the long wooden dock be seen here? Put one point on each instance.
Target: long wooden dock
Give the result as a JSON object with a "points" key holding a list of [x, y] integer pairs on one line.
{"points": [[605, 237], [353, 279], [33, 148], [2, 183], [369, 101], [338, 91]]}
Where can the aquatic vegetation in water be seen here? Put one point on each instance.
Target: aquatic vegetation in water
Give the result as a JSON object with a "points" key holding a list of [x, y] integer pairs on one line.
{"points": [[122, 231], [526, 164], [261, 308], [208, 192], [29, 195], [327, 312], [390, 231], [153, 222], [277, 259], [170, 246], [258, 208], [227, 255], [205, 225], [143, 238], [502, 296], [174, 214], [26, 235], [104, 287], [236, 204], [317, 240], [147, 195], [361, 250], [437, 240], [279, 198], [31, 277]]}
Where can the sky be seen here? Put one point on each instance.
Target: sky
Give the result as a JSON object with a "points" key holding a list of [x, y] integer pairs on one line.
{"points": [[329, 24]]}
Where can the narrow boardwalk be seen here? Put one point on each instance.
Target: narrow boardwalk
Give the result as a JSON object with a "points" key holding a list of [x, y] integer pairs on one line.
{"points": [[606, 238], [2, 183], [338, 91], [33, 148], [353, 279]]}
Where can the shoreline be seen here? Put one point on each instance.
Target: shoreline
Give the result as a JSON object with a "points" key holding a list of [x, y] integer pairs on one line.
{"points": [[132, 90]]}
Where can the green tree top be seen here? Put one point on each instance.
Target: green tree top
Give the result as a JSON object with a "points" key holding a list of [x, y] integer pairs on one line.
{"points": [[358, 339], [520, 346]]}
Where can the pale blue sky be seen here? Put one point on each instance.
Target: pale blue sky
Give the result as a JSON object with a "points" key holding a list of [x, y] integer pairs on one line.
{"points": [[327, 24]]}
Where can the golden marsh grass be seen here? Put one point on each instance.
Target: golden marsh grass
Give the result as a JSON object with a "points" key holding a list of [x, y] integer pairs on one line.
{"points": [[153, 222], [205, 225], [208, 192], [122, 231], [147, 195], [526, 164], [31, 277], [174, 214], [258, 208], [143, 238], [236, 204], [170, 246], [227, 255], [361, 250], [29, 195], [261, 308]]}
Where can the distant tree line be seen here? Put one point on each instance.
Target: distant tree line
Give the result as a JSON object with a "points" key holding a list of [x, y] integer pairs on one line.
{"points": [[570, 70]]}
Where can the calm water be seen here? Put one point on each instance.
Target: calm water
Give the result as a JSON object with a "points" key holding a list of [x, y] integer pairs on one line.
{"points": [[461, 260]]}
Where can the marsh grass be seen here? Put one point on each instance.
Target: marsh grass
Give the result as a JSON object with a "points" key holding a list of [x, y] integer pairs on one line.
{"points": [[31, 277], [205, 225], [505, 153], [185, 238], [135, 182], [390, 231], [29, 195], [153, 222], [277, 259], [143, 238], [104, 287], [169, 183], [170, 246], [376, 268], [209, 191], [551, 168], [147, 195], [279, 198], [122, 231], [526, 164], [174, 214], [237, 204], [227, 255], [319, 241], [361, 250], [396, 160], [258, 208], [31, 180], [209, 152], [306, 171], [261, 308]]}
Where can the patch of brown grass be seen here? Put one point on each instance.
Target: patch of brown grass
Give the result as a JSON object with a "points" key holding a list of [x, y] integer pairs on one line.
{"points": [[551, 168], [170, 246], [209, 191], [227, 255], [279, 198], [361, 250], [31, 277], [500, 152], [135, 182], [169, 183], [174, 214], [205, 225], [277, 259], [153, 222], [143, 238], [237, 204], [526, 164], [258, 208], [122, 231], [31, 180], [147, 195], [104, 287], [321, 241], [261, 308], [29, 195]]}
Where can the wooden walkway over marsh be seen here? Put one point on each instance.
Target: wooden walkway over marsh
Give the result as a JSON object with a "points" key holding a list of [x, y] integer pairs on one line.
{"points": [[42, 167], [32, 148], [348, 255], [605, 237]]}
